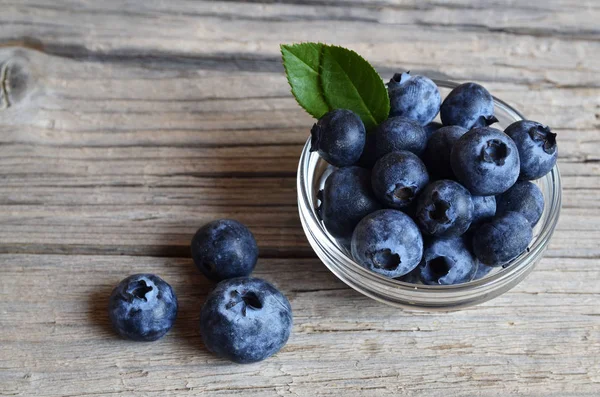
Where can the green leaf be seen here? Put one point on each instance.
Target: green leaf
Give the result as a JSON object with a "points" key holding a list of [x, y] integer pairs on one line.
{"points": [[301, 63], [349, 82]]}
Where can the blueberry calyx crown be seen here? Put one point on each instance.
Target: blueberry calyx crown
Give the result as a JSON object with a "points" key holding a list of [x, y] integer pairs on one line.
{"points": [[495, 151], [385, 259], [138, 290], [403, 194], [488, 120], [439, 267], [438, 211], [248, 299], [544, 136], [399, 79], [315, 141]]}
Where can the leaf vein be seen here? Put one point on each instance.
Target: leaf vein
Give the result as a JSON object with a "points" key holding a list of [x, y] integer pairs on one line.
{"points": [[363, 103], [302, 60]]}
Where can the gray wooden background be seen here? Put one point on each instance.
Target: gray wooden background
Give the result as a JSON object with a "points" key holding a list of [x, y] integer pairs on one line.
{"points": [[125, 125]]}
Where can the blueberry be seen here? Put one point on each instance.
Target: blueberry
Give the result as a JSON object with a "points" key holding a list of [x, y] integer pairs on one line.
{"points": [[482, 271], [399, 133], [414, 97], [486, 161], [339, 137], [484, 209], [537, 148], [245, 320], [397, 179], [447, 261], [525, 198], [444, 209], [387, 242], [469, 105], [346, 198], [142, 307], [501, 240], [224, 249], [439, 146], [431, 128]]}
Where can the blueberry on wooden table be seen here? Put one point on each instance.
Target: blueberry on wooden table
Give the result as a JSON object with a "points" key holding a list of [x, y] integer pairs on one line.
{"points": [[245, 320], [142, 307], [224, 249]]}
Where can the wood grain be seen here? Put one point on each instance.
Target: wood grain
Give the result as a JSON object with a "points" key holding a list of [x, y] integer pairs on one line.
{"points": [[125, 125], [540, 339]]}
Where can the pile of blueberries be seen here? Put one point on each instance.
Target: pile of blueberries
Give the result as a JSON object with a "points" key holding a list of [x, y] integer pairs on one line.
{"points": [[244, 319], [434, 203]]}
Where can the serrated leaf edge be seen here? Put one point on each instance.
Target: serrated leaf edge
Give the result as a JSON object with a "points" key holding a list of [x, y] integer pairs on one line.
{"points": [[281, 47]]}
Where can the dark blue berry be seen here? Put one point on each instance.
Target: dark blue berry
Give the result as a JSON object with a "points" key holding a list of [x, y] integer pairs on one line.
{"points": [[444, 209], [142, 307], [412, 277], [447, 261], [482, 271], [387, 242], [414, 97], [484, 208], [245, 320], [399, 133], [339, 137], [501, 240], [537, 148], [346, 198], [431, 128], [469, 105], [223, 249], [525, 198], [486, 161], [437, 153], [397, 179]]}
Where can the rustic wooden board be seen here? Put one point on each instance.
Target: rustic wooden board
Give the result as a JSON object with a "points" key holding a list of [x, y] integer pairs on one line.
{"points": [[540, 339], [126, 125]]}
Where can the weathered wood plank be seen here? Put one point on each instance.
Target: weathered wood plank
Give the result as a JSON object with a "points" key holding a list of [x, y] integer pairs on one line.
{"points": [[513, 42], [126, 125], [49, 331]]}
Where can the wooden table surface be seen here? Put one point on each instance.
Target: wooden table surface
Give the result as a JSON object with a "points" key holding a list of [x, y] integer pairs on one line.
{"points": [[126, 125]]}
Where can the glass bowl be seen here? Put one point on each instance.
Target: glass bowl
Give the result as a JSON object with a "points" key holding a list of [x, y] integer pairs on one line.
{"points": [[312, 172]]}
